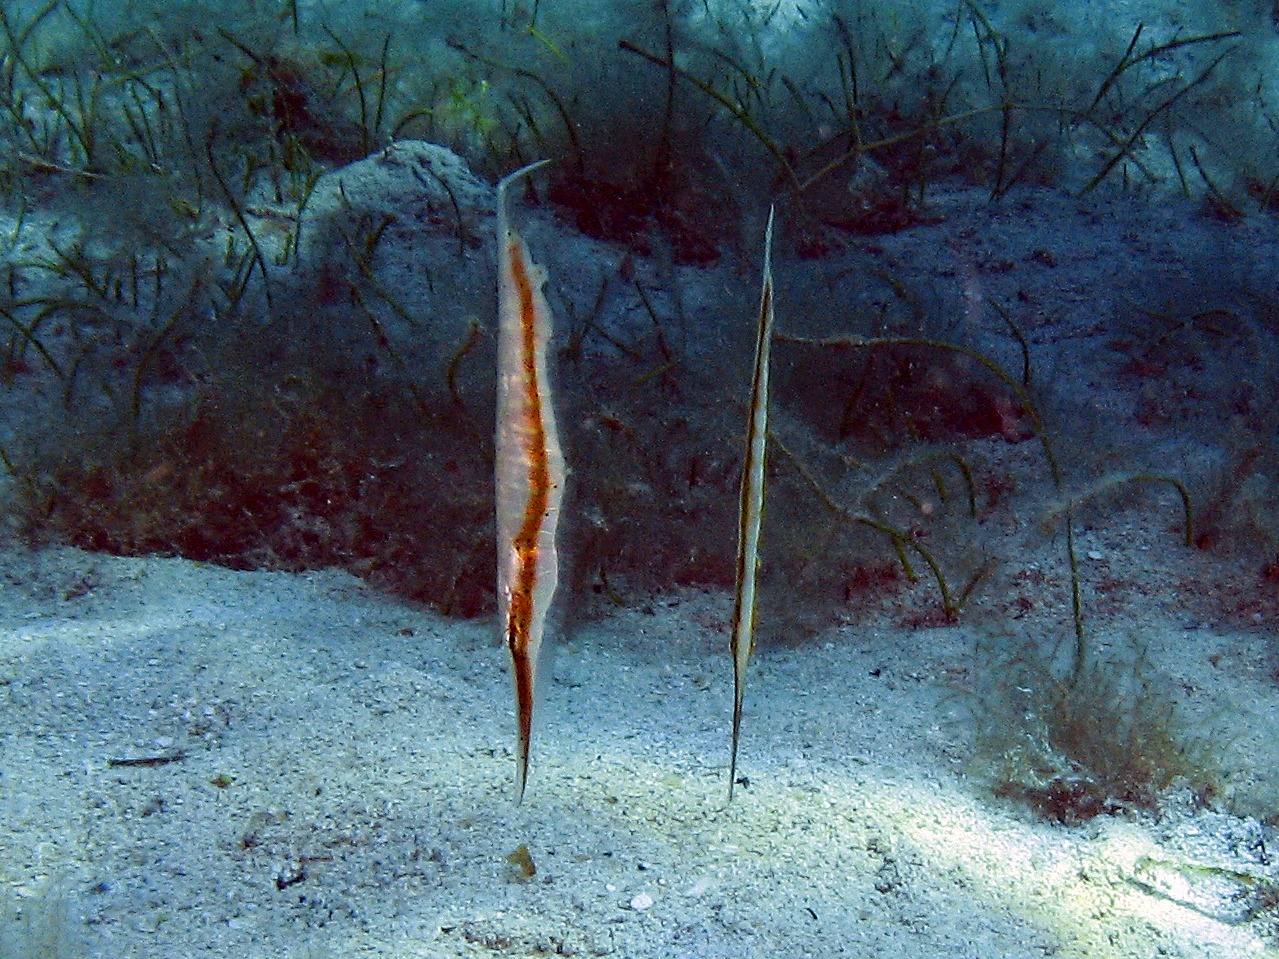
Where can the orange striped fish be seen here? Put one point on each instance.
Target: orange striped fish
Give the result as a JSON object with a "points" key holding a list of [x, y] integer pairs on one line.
{"points": [[530, 471], [751, 511]]}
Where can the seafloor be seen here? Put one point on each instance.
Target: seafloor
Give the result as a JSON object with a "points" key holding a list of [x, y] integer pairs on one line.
{"points": [[198, 761]]}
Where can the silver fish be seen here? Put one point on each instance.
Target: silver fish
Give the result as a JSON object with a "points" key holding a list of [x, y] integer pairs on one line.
{"points": [[751, 510]]}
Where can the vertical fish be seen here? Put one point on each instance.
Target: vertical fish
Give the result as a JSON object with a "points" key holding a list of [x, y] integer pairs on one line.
{"points": [[529, 468], [751, 510]]}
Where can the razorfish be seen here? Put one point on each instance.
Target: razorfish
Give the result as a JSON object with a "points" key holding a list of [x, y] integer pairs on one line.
{"points": [[529, 466], [751, 510]]}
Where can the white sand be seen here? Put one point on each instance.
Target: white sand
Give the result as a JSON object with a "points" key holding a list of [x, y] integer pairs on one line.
{"points": [[369, 809]]}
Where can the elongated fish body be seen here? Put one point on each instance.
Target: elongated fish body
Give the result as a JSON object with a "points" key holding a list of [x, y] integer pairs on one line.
{"points": [[530, 471], [751, 511]]}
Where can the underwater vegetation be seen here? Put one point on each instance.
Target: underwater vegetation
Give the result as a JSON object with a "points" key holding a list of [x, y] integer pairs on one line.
{"points": [[315, 478], [1073, 745], [159, 179], [167, 323], [852, 115]]}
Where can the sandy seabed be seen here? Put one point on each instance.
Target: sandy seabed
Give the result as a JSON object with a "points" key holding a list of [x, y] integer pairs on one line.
{"points": [[198, 761]]}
